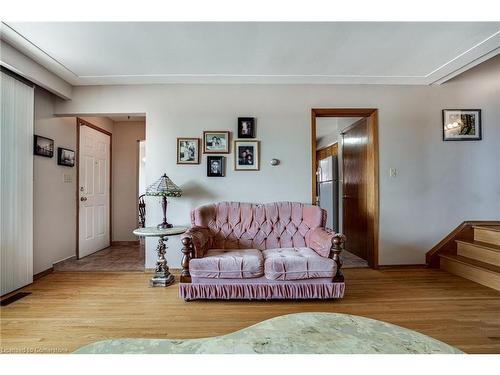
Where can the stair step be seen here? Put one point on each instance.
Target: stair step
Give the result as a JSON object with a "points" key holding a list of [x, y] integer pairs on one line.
{"points": [[487, 233], [471, 269], [478, 250]]}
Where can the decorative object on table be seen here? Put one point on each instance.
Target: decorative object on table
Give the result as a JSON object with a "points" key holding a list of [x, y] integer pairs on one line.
{"points": [[162, 276], [302, 333], [65, 157], [274, 162], [461, 124], [246, 155], [188, 151], [164, 187], [43, 146], [216, 142], [216, 166], [141, 205], [246, 127]]}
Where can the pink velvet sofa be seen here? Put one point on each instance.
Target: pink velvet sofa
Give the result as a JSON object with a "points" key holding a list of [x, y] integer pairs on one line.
{"points": [[261, 251]]}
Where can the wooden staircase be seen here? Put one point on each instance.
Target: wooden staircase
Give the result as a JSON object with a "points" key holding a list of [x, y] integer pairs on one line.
{"points": [[477, 259]]}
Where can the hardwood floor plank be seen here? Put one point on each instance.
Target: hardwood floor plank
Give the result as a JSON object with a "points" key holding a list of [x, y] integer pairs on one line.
{"points": [[67, 310]]}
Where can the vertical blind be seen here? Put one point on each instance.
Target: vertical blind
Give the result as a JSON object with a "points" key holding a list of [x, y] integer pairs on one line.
{"points": [[16, 188]]}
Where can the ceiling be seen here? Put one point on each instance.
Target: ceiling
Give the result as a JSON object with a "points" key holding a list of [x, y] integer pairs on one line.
{"points": [[326, 126], [94, 53]]}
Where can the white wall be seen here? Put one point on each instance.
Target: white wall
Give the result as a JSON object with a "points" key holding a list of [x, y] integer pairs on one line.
{"points": [[54, 205], [439, 184], [125, 178], [31, 70]]}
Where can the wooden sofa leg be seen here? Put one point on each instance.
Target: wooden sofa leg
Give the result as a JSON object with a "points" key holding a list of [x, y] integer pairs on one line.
{"points": [[337, 247], [187, 247]]}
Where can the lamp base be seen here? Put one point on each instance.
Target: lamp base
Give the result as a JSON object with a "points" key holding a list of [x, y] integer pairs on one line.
{"points": [[164, 225]]}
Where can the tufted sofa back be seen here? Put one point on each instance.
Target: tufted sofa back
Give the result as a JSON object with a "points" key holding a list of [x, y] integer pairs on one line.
{"points": [[236, 225]]}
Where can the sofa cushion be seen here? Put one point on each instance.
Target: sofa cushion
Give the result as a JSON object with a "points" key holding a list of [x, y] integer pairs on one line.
{"points": [[296, 263], [228, 264]]}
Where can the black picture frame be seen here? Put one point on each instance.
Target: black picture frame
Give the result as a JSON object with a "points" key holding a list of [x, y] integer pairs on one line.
{"points": [[469, 121], [43, 146], [65, 157], [216, 166], [246, 127]]}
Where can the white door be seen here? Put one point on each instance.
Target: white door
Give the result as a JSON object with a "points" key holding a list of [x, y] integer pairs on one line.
{"points": [[94, 191]]}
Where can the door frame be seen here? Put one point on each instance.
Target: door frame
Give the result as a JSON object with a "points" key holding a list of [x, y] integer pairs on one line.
{"points": [[80, 122], [371, 115]]}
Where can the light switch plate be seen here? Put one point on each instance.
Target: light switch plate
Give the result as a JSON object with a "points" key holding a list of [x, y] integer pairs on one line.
{"points": [[393, 172]]}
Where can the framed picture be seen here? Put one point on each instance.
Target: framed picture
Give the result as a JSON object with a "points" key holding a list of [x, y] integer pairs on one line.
{"points": [[216, 142], [216, 166], [461, 124], [43, 146], [246, 127], [188, 151], [65, 157], [246, 155]]}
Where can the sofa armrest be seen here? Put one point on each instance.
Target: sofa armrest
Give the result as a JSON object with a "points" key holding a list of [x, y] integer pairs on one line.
{"points": [[329, 245], [320, 240], [201, 240], [195, 243]]}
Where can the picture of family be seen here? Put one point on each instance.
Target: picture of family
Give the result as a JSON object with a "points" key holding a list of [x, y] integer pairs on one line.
{"points": [[216, 142], [246, 155], [188, 151], [246, 127]]}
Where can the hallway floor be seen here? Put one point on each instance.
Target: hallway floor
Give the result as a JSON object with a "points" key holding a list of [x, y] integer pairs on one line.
{"points": [[114, 258]]}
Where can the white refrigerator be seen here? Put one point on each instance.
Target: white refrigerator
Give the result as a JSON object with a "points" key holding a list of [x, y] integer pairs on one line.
{"points": [[328, 190]]}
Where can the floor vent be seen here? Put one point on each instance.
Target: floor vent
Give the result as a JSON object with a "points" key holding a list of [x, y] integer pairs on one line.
{"points": [[13, 298]]}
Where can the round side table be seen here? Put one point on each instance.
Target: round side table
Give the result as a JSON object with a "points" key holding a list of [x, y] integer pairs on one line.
{"points": [[162, 276]]}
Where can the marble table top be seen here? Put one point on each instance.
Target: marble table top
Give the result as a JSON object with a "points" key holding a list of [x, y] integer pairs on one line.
{"points": [[304, 333], [159, 232]]}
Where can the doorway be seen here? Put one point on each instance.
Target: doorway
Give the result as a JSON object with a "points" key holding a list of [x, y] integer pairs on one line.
{"points": [[94, 188], [355, 134]]}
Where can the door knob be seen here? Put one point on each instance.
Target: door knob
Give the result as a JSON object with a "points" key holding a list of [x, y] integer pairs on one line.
{"points": [[83, 199]]}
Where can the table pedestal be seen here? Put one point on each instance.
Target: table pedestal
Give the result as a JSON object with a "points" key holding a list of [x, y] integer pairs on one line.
{"points": [[162, 276]]}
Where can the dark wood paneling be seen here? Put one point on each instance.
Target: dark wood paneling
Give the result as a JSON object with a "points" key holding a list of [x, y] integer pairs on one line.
{"points": [[354, 166]]}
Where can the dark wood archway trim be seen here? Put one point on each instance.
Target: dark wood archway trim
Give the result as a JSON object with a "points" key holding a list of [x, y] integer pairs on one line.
{"points": [[371, 115]]}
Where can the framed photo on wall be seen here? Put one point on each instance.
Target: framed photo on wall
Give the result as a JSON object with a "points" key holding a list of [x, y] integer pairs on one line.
{"points": [[246, 127], [65, 157], [43, 146], [216, 166], [461, 124], [216, 142], [188, 151], [246, 155]]}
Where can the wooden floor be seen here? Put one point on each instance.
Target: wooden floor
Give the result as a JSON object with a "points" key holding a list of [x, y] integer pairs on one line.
{"points": [[68, 310]]}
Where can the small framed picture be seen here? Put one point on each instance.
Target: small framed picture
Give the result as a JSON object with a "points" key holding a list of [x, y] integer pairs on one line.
{"points": [[216, 142], [65, 157], [216, 166], [43, 146], [246, 155], [188, 151], [246, 127], [461, 124]]}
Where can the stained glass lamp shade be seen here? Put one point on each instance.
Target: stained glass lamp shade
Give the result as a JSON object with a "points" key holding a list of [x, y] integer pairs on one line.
{"points": [[164, 187]]}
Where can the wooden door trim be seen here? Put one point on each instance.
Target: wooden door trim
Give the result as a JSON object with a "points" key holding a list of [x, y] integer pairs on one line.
{"points": [[81, 122], [371, 115]]}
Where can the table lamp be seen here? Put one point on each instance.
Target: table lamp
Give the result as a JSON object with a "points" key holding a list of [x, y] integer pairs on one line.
{"points": [[164, 187]]}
